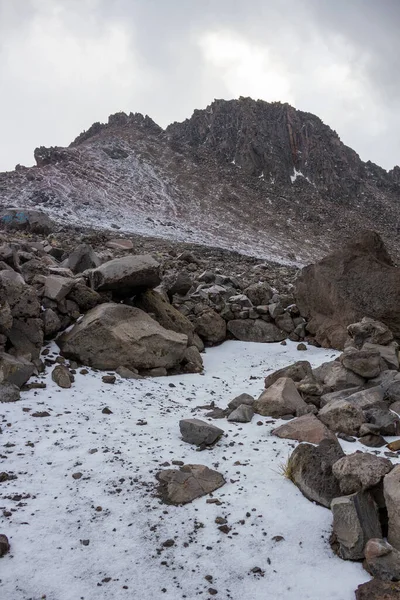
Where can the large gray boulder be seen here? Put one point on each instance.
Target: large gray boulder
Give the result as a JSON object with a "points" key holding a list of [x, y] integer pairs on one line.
{"points": [[365, 363], [255, 330], [26, 219], [15, 370], [57, 288], [333, 376], [369, 331], [113, 335], [198, 432], [355, 521], [360, 471], [281, 398], [126, 276], [9, 392], [188, 483], [310, 468], [391, 490], [22, 298]]}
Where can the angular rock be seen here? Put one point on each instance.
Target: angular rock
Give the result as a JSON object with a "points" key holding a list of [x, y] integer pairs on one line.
{"points": [[310, 469], [198, 432], [126, 276], [255, 331], [127, 373], [378, 590], [51, 322], [9, 392], [188, 483], [391, 490], [382, 560], [81, 259], [342, 417], [113, 335], [4, 544], [22, 298], [57, 288], [372, 440], [6, 318], [360, 471], [27, 337], [84, 296], [242, 414], [389, 353], [259, 293], [26, 219], [297, 371], [385, 421], [165, 314], [365, 363], [241, 399], [120, 244], [211, 327], [281, 398], [304, 429], [355, 521]]}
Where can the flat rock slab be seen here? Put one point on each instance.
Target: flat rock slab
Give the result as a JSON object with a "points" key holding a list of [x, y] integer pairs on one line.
{"points": [[304, 429], [378, 590], [188, 483], [196, 431]]}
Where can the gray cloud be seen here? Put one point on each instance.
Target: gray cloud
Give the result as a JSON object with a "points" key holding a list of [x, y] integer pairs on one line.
{"points": [[67, 63]]}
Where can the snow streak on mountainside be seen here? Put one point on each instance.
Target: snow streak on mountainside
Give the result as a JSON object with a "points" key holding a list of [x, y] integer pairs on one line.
{"points": [[261, 178]]}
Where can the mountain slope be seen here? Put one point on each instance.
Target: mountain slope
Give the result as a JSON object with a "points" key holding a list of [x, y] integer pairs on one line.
{"points": [[261, 178]]}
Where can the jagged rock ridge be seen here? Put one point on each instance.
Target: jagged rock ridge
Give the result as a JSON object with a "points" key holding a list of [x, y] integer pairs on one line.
{"points": [[262, 178]]}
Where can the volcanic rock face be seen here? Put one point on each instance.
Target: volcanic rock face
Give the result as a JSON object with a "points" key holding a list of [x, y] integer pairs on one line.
{"points": [[258, 177]]}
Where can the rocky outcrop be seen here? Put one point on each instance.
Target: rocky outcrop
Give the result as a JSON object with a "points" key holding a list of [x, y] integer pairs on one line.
{"points": [[113, 335], [355, 281]]}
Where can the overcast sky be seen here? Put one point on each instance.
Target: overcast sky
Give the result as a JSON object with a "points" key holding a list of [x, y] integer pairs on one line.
{"points": [[65, 64]]}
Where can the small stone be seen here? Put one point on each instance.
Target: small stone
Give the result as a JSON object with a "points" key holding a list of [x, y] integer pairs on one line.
{"points": [[85, 542], [76, 475], [301, 347], [61, 376], [44, 413], [4, 544], [109, 379], [168, 543], [106, 411]]}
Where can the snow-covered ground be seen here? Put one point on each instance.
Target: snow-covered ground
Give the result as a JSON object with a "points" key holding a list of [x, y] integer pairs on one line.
{"points": [[118, 456]]}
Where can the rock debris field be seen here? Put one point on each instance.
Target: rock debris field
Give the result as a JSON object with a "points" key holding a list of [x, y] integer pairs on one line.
{"points": [[84, 519]]}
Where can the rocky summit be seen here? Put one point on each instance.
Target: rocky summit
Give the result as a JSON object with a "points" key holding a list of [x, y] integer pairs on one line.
{"points": [[261, 178]]}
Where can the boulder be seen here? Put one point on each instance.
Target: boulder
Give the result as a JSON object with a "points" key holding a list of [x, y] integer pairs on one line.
{"points": [[188, 483], [251, 330], [120, 244], [6, 318], [113, 335], [81, 259], [9, 392], [198, 432], [355, 521], [382, 560], [310, 469], [391, 490], [342, 417], [365, 363], [210, 326], [304, 429], [358, 280], [51, 322], [27, 337], [192, 361], [242, 414], [297, 371], [26, 219], [339, 395], [126, 276], [127, 373], [15, 370], [360, 471], [377, 589], [281, 398], [385, 422]]}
